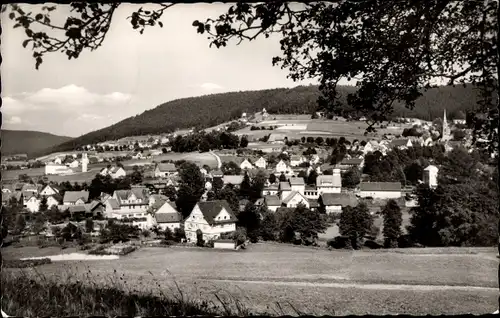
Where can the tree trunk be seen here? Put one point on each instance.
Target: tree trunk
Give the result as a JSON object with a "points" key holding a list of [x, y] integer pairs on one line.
{"points": [[498, 123]]}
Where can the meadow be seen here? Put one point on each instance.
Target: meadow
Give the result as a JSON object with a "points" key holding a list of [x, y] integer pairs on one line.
{"points": [[269, 277]]}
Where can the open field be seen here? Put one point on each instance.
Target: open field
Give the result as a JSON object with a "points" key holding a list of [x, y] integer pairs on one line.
{"points": [[296, 128], [316, 281], [200, 158]]}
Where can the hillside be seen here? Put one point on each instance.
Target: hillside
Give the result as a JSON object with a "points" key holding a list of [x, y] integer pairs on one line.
{"points": [[28, 142], [211, 110]]}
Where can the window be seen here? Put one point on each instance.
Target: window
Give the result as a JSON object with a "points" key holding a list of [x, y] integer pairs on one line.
{"points": [[224, 217]]}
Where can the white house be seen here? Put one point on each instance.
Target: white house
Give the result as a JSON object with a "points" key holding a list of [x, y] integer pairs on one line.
{"points": [[380, 190], [430, 176], [294, 199], [333, 203], [75, 197], [53, 200], [73, 164], [284, 189], [246, 165], [51, 169], [329, 183], [31, 202], [281, 167], [127, 204], [298, 184], [314, 159], [49, 190], [167, 216], [58, 161], [272, 202], [296, 160], [211, 217], [113, 172], [261, 163], [164, 170]]}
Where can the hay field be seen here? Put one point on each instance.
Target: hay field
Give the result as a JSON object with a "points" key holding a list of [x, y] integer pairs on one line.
{"points": [[314, 281]]}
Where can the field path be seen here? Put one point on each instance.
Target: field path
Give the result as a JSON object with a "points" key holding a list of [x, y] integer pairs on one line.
{"points": [[219, 162], [363, 285]]}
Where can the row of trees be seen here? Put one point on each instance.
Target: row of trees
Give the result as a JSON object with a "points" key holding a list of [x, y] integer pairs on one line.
{"points": [[203, 142]]}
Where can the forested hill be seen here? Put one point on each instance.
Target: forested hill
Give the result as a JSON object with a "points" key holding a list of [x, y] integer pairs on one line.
{"points": [[28, 142], [211, 110]]}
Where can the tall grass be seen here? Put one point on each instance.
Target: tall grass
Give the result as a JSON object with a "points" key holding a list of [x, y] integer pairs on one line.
{"points": [[26, 294]]}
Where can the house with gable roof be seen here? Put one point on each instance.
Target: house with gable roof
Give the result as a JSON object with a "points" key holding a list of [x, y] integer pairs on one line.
{"points": [[164, 170], [114, 172], [31, 201], [131, 203], [49, 189], [164, 214], [212, 218], [261, 163], [75, 197], [282, 167], [246, 165], [329, 183], [333, 203], [380, 190], [296, 160], [294, 199], [401, 143]]}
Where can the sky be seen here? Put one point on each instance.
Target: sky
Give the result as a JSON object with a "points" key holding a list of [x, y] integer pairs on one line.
{"points": [[129, 73]]}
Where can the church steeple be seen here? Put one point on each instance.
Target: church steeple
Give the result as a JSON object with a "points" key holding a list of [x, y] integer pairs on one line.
{"points": [[446, 129]]}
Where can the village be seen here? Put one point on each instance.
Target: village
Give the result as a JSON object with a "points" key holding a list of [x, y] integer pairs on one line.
{"points": [[294, 175]]}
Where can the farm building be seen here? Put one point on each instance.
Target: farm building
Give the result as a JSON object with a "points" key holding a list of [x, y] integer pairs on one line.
{"points": [[234, 180], [163, 170], [335, 202], [52, 169], [347, 164], [211, 217], [113, 172], [329, 183], [75, 197], [225, 244], [272, 202], [380, 190], [167, 216]]}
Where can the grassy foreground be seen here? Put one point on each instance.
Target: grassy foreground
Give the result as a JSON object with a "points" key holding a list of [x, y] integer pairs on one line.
{"points": [[27, 295]]}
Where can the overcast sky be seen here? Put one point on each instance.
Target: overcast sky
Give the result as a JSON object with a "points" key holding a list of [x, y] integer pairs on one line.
{"points": [[129, 74]]}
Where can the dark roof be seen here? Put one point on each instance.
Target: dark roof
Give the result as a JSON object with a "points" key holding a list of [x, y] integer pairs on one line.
{"points": [[285, 186], [168, 217], [343, 199], [56, 196], [28, 194], [380, 186], [293, 194], [114, 204], [73, 196], [217, 173], [211, 209], [166, 167], [297, 181], [313, 203], [272, 200]]}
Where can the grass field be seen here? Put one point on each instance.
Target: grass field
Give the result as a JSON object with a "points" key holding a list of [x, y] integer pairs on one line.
{"points": [[316, 128], [313, 281]]}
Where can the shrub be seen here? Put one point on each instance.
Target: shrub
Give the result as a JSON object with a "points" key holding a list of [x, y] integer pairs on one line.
{"points": [[339, 242]]}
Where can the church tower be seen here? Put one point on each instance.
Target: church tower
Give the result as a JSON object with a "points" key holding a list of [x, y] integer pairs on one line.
{"points": [[446, 129], [85, 162]]}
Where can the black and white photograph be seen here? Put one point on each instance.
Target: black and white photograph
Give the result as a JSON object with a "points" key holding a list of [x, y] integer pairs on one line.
{"points": [[250, 158]]}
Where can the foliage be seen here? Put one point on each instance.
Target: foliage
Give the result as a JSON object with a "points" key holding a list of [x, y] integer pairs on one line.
{"points": [[203, 142], [29, 142], [355, 222], [199, 238], [179, 234], [302, 221], [229, 194], [86, 297], [351, 178], [191, 187], [245, 185], [393, 218], [39, 223], [269, 226], [272, 178], [250, 219], [171, 192], [231, 168], [311, 178], [43, 205], [116, 232]]}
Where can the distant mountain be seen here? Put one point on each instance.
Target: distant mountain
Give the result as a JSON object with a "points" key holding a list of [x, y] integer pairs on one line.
{"points": [[28, 142], [211, 110]]}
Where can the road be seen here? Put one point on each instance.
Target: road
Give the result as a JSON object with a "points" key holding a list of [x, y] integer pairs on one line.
{"points": [[219, 162]]}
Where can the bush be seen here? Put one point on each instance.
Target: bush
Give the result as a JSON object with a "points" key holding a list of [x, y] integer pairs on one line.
{"points": [[372, 244], [340, 242], [25, 263]]}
